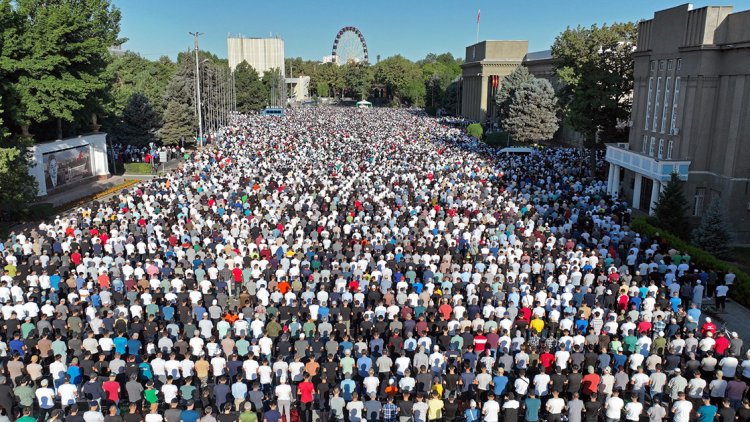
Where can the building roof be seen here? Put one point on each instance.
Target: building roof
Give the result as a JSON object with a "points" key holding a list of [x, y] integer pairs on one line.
{"points": [[538, 55]]}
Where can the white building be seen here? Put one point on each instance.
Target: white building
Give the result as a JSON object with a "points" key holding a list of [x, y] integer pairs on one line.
{"points": [[59, 164], [299, 88], [261, 53]]}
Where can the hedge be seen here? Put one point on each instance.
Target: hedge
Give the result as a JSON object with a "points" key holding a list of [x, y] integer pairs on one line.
{"points": [[740, 290], [475, 130]]}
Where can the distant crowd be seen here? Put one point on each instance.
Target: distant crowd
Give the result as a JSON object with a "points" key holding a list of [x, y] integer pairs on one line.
{"points": [[360, 265]]}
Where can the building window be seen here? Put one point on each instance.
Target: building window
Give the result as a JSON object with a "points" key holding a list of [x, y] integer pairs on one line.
{"points": [[655, 124], [661, 149], [653, 65], [665, 109], [698, 200], [670, 64], [661, 64], [670, 147], [679, 64], [675, 102], [651, 146], [648, 100], [644, 146]]}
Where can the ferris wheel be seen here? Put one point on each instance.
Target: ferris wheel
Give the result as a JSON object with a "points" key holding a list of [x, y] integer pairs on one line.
{"points": [[349, 47]]}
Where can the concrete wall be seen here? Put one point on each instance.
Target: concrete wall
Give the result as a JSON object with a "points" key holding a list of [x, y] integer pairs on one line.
{"points": [[261, 53]]}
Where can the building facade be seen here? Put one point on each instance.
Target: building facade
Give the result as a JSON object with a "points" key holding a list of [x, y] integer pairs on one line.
{"points": [[484, 61], [691, 113], [261, 53]]}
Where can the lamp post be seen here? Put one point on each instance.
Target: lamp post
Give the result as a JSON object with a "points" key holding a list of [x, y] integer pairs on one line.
{"points": [[198, 88]]}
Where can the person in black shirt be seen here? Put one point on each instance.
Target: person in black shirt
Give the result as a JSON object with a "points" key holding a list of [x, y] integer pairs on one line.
{"points": [[450, 410], [743, 413], [405, 408], [74, 415], [227, 415], [726, 413], [592, 409]]}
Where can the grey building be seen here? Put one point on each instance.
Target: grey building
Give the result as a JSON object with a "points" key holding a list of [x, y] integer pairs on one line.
{"points": [[691, 113], [484, 67]]}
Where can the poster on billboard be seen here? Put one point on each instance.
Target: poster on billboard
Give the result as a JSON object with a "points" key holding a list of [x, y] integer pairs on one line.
{"points": [[66, 166]]}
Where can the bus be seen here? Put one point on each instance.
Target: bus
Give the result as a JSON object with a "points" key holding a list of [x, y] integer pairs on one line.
{"points": [[272, 111]]}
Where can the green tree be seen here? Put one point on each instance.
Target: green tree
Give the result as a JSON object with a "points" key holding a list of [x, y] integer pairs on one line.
{"points": [[439, 71], [322, 89], [358, 78], [252, 94], [403, 79], [532, 115], [132, 73], [17, 187], [596, 68], [65, 45], [274, 83], [671, 207], [180, 115], [712, 235], [508, 86], [139, 122]]}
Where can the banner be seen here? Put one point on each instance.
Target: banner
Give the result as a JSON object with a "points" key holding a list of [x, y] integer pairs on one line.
{"points": [[66, 166]]}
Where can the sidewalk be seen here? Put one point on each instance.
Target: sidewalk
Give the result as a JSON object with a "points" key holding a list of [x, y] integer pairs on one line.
{"points": [[736, 318]]}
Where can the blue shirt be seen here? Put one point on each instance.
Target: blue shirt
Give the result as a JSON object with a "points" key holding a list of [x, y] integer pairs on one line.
{"points": [[120, 344], [500, 383], [189, 416], [706, 413], [532, 409]]}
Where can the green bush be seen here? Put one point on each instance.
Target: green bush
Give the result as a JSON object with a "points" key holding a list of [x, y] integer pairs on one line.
{"points": [[740, 290], [138, 168], [475, 130]]}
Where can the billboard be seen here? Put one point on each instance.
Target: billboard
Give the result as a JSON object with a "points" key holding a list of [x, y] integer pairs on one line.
{"points": [[66, 166]]}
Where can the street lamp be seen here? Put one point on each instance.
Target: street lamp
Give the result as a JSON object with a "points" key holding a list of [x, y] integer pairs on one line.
{"points": [[198, 88]]}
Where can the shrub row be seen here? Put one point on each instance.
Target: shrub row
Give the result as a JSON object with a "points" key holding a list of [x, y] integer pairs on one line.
{"points": [[740, 290]]}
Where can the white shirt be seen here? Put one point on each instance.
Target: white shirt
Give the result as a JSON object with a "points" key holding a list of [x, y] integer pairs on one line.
{"points": [[614, 407], [633, 411], [67, 393], [681, 410], [490, 410], [283, 392]]}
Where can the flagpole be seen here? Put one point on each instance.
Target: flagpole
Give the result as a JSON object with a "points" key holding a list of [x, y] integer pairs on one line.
{"points": [[479, 12]]}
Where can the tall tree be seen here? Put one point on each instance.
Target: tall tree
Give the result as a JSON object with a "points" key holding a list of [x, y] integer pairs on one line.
{"points": [[358, 78], [671, 208], [532, 114], [403, 79], [66, 46], [713, 233], [139, 122], [17, 187], [252, 94], [439, 71], [508, 86], [180, 115], [596, 68]]}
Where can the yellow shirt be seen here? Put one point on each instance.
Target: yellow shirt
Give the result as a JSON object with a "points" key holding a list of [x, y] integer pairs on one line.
{"points": [[435, 409], [537, 324]]}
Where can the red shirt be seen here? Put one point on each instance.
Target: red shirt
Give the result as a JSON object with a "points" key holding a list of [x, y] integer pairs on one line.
{"points": [[721, 345], [306, 389], [237, 274], [546, 360], [590, 383], [112, 390], [480, 343]]}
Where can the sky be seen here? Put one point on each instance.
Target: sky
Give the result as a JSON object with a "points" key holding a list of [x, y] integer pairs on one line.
{"points": [[412, 28]]}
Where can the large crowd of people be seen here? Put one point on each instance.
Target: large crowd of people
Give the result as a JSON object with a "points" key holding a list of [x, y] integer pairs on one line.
{"points": [[337, 264]]}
